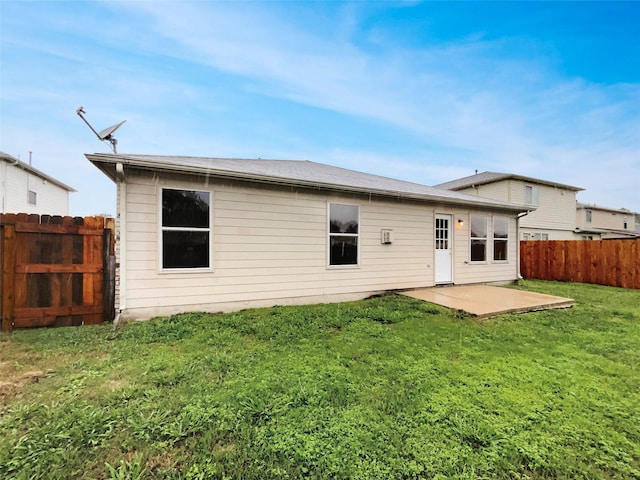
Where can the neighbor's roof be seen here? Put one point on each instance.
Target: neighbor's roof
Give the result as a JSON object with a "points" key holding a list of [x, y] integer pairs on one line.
{"points": [[587, 206], [33, 171], [491, 177], [299, 173]]}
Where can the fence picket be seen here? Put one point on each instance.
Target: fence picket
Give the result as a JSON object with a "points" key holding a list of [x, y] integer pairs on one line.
{"points": [[606, 262], [54, 271]]}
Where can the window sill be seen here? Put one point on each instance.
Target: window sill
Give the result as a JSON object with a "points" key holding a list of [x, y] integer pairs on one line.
{"points": [[343, 267], [165, 271]]}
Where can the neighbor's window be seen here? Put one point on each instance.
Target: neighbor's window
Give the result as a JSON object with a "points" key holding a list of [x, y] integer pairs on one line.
{"points": [[32, 197], [186, 229], [343, 234], [589, 214], [530, 195], [478, 238], [500, 238]]}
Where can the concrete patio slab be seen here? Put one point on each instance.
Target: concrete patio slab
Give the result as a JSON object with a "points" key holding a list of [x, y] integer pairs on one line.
{"points": [[487, 301]]}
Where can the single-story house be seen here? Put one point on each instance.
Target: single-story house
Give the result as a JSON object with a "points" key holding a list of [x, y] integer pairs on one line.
{"points": [[215, 234]]}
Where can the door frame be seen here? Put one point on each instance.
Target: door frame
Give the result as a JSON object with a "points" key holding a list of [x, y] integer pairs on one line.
{"points": [[449, 279]]}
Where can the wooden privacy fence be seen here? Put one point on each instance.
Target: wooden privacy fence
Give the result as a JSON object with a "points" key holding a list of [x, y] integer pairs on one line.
{"points": [[606, 262], [56, 271]]}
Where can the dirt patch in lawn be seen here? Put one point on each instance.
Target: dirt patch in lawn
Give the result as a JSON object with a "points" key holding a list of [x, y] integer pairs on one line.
{"points": [[11, 385]]}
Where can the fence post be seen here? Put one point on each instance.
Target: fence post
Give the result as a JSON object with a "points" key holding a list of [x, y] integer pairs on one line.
{"points": [[8, 275]]}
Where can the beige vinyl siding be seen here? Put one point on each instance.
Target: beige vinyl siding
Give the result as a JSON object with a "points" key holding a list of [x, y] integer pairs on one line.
{"points": [[555, 210], [496, 190], [605, 219], [554, 213], [490, 271], [270, 244]]}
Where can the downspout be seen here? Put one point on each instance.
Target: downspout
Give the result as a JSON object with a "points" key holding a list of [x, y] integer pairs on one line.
{"points": [[518, 217], [121, 214]]}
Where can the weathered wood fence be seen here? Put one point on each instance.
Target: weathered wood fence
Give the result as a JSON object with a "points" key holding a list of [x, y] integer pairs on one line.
{"points": [[56, 271], [606, 262]]}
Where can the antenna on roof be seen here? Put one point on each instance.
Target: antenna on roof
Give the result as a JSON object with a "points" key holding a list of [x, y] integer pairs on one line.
{"points": [[105, 135]]}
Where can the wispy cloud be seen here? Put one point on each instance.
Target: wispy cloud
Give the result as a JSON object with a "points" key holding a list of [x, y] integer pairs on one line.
{"points": [[203, 77]]}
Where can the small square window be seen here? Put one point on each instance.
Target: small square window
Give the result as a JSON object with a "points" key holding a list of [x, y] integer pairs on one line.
{"points": [[33, 197]]}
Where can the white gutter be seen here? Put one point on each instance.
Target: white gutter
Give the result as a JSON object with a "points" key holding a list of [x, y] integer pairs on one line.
{"points": [[161, 166], [518, 217], [121, 214]]}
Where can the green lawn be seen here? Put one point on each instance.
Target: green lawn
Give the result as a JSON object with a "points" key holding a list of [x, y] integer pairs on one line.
{"points": [[385, 388]]}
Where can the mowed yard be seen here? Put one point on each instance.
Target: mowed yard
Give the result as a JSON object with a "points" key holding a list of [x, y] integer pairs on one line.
{"points": [[386, 388]]}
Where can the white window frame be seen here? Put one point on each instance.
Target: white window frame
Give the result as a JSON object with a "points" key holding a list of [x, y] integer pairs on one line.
{"points": [[162, 229], [30, 194], [485, 238], [588, 216], [534, 194], [355, 235], [494, 239]]}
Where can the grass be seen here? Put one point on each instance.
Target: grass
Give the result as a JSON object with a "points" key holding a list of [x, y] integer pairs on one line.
{"points": [[388, 387]]}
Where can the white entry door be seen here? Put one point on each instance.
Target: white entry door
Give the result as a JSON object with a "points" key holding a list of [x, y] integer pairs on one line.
{"points": [[444, 259]]}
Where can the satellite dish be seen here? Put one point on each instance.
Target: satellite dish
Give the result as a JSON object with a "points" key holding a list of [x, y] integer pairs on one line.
{"points": [[105, 135]]}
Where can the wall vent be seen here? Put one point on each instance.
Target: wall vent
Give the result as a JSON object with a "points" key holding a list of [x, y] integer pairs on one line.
{"points": [[386, 236]]}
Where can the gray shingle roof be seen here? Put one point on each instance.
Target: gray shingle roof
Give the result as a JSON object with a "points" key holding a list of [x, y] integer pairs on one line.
{"points": [[491, 177], [301, 173]]}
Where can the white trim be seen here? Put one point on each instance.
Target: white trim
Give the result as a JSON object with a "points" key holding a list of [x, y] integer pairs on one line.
{"points": [[451, 248], [485, 238], [162, 228], [355, 235], [122, 238], [493, 239]]}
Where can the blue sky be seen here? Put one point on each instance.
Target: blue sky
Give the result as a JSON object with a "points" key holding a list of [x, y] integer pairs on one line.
{"points": [[420, 91]]}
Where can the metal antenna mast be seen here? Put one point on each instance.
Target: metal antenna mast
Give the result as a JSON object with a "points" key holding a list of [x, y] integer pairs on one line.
{"points": [[105, 135]]}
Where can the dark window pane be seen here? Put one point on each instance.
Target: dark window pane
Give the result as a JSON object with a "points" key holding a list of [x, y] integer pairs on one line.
{"points": [[185, 208], [478, 226], [500, 249], [343, 250], [500, 227], [343, 218], [478, 250], [185, 249]]}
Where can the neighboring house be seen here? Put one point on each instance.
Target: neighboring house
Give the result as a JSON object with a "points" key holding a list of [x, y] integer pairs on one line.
{"points": [[594, 222], [214, 234], [554, 217], [24, 189]]}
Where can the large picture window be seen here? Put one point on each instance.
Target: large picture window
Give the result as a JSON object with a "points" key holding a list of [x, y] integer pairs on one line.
{"points": [[478, 238], [186, 229], [500, 238], [343, 234]]}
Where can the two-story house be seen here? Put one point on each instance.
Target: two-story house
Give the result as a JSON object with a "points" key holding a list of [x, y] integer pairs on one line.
{"points": [[594, 222], [553, 204], [25, 189]]}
